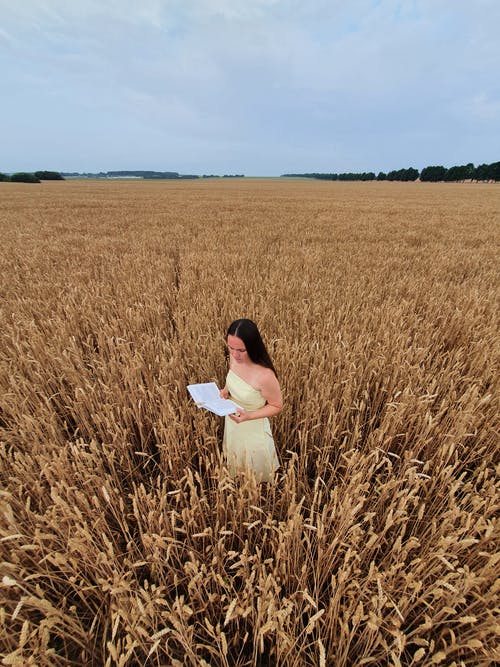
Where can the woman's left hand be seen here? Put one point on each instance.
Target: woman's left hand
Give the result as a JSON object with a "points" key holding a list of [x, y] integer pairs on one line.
{"points": [[240, 416]]}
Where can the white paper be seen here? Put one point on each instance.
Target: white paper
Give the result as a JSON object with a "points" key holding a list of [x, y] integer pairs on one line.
{"points": [[206, 395]]}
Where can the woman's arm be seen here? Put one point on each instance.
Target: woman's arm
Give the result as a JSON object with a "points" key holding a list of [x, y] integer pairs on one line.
{"points": [[266, 411]]}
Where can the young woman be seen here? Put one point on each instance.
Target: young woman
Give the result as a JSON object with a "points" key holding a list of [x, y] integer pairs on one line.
{"points": [[251, 383]]}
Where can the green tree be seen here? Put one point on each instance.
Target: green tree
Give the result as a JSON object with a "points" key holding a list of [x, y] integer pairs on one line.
{"points": [[24, 177], [459, 173], [409, 174], [494, 171], [433, 174], [49, 175], [4, 177]]}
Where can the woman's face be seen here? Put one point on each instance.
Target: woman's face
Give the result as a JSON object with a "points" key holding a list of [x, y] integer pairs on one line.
{"points": [[237, 349]]}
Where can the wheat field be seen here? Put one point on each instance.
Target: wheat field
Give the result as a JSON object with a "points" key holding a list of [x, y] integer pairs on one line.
{"points": [[123, 539]]}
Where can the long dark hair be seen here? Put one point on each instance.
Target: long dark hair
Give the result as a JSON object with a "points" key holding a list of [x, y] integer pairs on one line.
{"points": [[248, 332]]}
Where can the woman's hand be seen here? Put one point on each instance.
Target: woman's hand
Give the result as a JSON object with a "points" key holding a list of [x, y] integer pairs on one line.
{"points": [[240, 416], [224, 393]]}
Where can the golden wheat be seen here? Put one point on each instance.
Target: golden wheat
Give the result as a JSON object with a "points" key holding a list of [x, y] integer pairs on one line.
{"points": [[123, 539]]}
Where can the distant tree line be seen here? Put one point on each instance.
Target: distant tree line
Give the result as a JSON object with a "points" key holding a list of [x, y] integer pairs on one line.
{"points": [[32, 177], [483, 172], [364, 176], [406, 175], [37, 176]]}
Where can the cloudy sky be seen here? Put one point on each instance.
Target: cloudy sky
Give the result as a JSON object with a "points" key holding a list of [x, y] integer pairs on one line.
{"points": [[259, 87]]}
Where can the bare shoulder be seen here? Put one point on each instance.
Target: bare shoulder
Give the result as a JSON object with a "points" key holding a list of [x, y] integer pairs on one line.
{"points": [[270, 388], [267, 378]]}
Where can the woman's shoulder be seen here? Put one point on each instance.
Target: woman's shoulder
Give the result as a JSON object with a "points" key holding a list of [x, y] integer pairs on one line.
{"points": [[266, 372], [266, 376]]}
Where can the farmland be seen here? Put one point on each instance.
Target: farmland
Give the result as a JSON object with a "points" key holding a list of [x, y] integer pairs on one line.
{"points": [[123, 540]]}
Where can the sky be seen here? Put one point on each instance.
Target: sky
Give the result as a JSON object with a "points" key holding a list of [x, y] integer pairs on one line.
{"points": [[254, 87]]}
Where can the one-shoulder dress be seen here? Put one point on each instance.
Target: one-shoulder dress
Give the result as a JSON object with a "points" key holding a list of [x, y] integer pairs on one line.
{"points": [[249, 445]]}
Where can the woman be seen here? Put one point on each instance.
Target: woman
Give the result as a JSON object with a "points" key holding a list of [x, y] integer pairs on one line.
{"points": [[251, 383]]}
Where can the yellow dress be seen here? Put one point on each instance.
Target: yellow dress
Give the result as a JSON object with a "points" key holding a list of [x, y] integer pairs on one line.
{"points": [[248, 445]]}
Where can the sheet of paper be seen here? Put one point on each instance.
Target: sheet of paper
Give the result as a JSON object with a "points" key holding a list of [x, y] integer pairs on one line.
{"points": [[206, 395]]}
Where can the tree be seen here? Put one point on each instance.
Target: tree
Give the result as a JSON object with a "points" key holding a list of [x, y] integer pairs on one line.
{"points": [[24, 177], [409, 174], [381, 176], [49, 176], [433, 174], [459, 173], [487, 172], [4, 177], [481, 172], [494, 171]]}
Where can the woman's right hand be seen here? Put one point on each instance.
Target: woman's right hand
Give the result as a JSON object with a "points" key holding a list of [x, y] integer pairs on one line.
{"points": [[224, 393]]}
